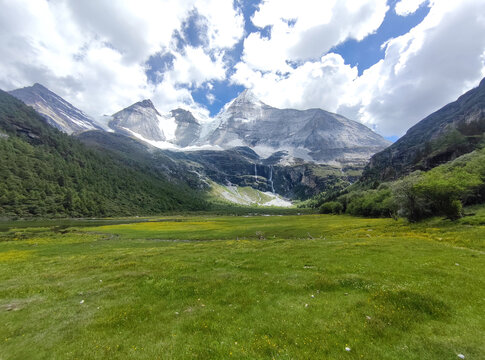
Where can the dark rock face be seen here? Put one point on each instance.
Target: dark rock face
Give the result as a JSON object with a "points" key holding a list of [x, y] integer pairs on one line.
{"points": [[55, 110], [313, 134], [188, 128], [242, 166], [141, 118], [454, 130]]}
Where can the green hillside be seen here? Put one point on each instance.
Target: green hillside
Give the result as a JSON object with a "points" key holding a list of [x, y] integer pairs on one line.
{"points": [[442, 190], [44, 172]]}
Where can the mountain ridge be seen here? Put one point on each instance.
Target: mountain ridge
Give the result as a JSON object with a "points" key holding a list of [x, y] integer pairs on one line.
{"points": [[455, 129], [55, 110], [313, 135]]}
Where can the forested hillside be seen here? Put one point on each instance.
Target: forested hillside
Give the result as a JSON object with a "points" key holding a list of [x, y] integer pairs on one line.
{"points": [[44, 172], [442, 190]]}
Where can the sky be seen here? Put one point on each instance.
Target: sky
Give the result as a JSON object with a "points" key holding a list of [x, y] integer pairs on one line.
{"points": [[385, 63]]}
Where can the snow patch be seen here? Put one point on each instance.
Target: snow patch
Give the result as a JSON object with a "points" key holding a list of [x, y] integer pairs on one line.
{"points": [[158, 144], [231, 193], [166, 145], [168, 126], [276, 201]]}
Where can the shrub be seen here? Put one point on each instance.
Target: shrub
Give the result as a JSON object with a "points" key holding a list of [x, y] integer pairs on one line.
{"points": [[373, 203], [331, 207]]}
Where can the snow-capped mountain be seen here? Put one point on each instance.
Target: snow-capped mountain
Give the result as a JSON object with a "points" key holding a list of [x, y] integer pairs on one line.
{"points": [[177, 129], [313, 134], [141, 119], [57, 111]]}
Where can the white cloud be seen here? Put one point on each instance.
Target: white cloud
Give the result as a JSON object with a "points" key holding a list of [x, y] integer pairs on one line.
{"points": [[196, 67], [226, 24], [307, 29], [408, 7], [423, 70], [320, 83], [94, 53]]}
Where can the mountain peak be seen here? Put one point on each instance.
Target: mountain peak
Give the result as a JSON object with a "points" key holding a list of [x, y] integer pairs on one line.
{"points": [[40, 87], [140, 120], [57, 111], [248, 96], [146, 103]]}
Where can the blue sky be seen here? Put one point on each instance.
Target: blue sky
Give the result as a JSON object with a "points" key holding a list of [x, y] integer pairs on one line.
{"points": [[385, 63]]}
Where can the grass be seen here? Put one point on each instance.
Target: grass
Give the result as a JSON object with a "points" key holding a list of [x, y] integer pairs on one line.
{"points": [[262, 287]]}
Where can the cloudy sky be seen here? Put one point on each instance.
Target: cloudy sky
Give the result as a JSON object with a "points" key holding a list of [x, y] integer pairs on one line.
{"points": [[386, 63]]}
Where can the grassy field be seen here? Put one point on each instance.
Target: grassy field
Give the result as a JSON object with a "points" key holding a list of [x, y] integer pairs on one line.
{"points": [[262, 287]]}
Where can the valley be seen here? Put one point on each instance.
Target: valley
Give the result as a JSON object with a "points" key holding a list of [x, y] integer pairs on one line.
{"points": [[251, 179]]}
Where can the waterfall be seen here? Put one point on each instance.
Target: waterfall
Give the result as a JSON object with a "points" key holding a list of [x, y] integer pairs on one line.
{"points": [[255, 173], [271, 178]]}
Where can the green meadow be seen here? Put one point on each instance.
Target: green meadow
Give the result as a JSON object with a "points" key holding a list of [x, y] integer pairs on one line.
{"points": [[243, 287]]}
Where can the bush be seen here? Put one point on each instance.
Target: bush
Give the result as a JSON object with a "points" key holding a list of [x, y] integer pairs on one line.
{"points": [[331, 207], [455, 210], [372, 203], [412, 205]]}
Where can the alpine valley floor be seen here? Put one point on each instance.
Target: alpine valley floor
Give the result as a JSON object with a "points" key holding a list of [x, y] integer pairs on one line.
{"points": [[261, 287]]}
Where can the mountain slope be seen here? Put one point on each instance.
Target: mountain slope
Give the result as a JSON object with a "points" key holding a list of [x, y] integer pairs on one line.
{"points": [[48, 173], [454, 130], [56, 111], [314, 134]]}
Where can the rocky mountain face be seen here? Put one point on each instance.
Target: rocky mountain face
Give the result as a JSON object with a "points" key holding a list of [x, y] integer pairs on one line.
{"points": [[188, 129], [314, 135], [454, 130], [243, 167], [54, 109], [140, 118]]}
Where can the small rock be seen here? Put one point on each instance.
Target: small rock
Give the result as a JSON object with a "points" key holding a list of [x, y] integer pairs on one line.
{"points": [[461, 356], [81, 302], [347, 348]]}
